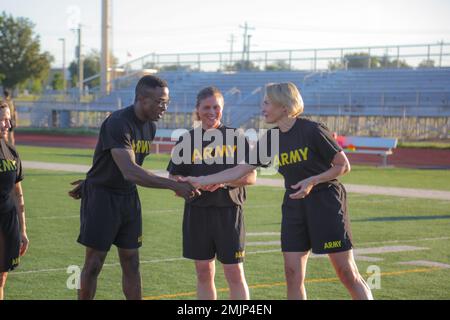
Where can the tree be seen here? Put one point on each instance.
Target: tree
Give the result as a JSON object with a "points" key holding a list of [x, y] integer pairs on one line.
{"points": [[242, 65], [401, 64], [386, 62], [279, 65], [361, 61], [427, 63], [336, 65], [20, 56], [57, 82], [91, 67], [354, 61]]}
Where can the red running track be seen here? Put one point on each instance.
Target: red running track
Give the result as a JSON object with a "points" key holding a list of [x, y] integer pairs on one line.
{"points": [[402, 157]]}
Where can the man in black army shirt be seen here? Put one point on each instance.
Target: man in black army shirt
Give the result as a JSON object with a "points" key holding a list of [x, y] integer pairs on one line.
{"points": [[110, 208]]}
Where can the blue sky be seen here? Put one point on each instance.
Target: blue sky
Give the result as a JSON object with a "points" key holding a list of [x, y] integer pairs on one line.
{"points": [[171, 26]]}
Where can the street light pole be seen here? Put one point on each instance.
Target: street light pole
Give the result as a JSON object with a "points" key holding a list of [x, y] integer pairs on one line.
{"points": [[63, 40]]}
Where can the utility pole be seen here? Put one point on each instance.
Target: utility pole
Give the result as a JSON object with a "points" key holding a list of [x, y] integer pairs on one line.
{"points": [[245, 36], [105, 66], [63, 40], [79, 55], [248, 48], [231, 41]]}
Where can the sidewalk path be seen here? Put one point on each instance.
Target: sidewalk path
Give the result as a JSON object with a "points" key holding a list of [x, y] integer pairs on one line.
{"points": [[352, 188]]}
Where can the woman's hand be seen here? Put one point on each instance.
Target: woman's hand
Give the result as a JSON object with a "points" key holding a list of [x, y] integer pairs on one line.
{"points": [[212, 187], [304, 188], [195, 181], [24, 242], [76, 192]]}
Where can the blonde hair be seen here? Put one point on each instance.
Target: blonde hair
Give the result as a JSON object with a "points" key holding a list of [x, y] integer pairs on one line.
{"points": [[286, 95]]}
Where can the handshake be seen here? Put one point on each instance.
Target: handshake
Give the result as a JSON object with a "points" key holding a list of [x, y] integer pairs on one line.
{"points": [[191, 187]]}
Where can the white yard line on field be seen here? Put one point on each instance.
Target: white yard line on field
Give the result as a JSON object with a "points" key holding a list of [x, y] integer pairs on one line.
{"points": [[357, 251]]}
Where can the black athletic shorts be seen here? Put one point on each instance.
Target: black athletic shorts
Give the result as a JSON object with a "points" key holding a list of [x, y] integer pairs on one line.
{"points": [[9, 240], [319, 222], [214, 231], [108, 217]]}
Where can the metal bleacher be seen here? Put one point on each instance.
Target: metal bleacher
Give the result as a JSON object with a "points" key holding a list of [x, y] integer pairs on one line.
{"points": [[382, 92]]}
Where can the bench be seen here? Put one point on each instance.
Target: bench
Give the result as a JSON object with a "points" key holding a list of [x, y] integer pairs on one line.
{"points": [[369, 145]]}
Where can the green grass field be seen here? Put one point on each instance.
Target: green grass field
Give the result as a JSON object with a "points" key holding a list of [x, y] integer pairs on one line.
{"points": [[391, 177], [377, 221]]}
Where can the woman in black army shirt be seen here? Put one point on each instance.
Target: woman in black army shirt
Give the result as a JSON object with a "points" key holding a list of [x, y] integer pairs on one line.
{"points": [[213, 223], [314, 209], [13, 234]]}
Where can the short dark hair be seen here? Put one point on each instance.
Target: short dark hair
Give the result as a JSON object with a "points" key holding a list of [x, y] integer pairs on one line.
{"points": [[146, 82], [6, 93]]}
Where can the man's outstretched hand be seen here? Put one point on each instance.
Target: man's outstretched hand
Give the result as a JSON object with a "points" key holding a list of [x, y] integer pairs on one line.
{"points": [[76, 192], [186, 190]]}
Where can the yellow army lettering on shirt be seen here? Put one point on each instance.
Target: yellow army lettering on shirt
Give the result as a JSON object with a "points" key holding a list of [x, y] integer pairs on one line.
{"points": [[8, 165], [141, 146], [219, 151], [291, 157], [332, 244]]}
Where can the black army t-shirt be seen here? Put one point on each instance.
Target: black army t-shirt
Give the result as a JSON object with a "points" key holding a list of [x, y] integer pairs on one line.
{"points": [[10, 174], [123, 130], [211, 157], [306, 150]]}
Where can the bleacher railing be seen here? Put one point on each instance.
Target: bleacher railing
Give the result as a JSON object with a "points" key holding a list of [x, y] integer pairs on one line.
{"points": [[389, 56]]}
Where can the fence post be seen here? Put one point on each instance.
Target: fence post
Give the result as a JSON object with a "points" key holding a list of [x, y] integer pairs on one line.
{"points": [[290, 60], [265, 60], [315, 60]]}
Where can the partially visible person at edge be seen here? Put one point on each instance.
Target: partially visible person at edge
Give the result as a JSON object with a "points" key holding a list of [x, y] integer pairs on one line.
{"points": [[14, 118], [13, 232]]}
